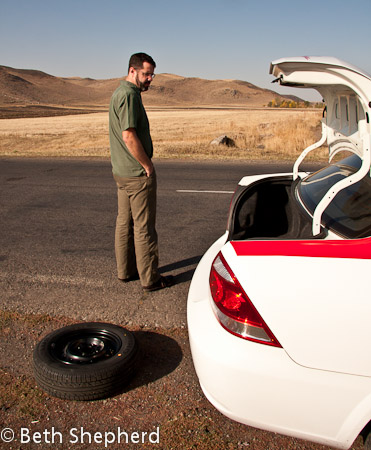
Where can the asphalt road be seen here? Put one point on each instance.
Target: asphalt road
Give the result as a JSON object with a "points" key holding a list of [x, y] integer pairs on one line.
{"points": [[57, 231]]}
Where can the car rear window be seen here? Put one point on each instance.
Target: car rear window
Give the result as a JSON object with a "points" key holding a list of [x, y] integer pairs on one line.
{"points": [[349, 213]]}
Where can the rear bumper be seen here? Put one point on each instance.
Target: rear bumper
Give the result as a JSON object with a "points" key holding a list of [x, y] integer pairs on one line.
{"points": [[261, 386]]}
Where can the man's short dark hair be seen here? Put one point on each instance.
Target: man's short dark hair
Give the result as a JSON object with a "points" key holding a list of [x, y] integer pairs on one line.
{"points": [[138, 59]]}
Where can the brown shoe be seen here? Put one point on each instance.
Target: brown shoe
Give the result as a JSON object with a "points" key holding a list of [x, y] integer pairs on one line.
{"points": [[162, 283], [131, 278]]}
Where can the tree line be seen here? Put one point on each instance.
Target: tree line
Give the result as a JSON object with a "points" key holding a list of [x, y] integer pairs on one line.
{"points": [[286, 103]]}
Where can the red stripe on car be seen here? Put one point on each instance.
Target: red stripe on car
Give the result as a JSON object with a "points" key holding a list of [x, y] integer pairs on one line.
{"points": [[356, 248]]}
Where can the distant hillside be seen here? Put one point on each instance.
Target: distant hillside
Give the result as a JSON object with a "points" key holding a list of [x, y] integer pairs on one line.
{"points": [[31, 92], [31, 87], [174, 90]]}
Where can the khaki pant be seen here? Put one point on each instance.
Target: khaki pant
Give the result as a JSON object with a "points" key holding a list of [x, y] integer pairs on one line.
{"points": [[136, 237]]}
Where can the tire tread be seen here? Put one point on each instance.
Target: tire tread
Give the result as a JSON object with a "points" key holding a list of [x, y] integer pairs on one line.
{"points": [[85, 382]]}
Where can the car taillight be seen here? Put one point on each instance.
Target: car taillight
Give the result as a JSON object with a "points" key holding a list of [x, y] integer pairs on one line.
{"points": [[233, 307]]}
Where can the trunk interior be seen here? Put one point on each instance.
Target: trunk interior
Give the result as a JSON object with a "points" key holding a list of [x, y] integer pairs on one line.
{"points": [[268, 210]]}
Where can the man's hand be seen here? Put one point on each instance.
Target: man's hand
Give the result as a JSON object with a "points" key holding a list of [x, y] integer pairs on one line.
{"points": [[135, 147], [149, 169]]}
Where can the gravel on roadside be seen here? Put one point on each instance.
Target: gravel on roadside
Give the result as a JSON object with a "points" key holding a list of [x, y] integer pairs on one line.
{"points": [[162, 408]]}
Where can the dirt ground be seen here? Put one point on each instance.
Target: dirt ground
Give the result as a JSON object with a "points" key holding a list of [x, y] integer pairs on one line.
{"points": [[163, 407]]}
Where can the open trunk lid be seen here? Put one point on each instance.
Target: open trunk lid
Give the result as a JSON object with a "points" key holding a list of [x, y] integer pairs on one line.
{"points": [[346, 91]]}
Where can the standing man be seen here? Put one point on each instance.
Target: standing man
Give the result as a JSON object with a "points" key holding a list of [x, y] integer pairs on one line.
{"points": [[131, 146]]}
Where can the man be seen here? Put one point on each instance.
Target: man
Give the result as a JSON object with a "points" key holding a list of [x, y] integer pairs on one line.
{"points": [[136, 245]]}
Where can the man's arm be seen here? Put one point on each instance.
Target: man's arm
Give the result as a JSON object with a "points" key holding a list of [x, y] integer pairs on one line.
{"points": [[135, 147]]}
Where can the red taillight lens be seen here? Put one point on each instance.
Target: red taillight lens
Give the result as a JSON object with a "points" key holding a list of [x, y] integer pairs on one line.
{"points": [[234, 309]]}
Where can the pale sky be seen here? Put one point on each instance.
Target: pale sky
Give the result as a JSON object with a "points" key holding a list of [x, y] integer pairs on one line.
{"points": [[219, 39]]}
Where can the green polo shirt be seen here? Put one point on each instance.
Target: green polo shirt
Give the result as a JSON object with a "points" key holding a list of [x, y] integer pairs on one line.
{"points": [[127, 111]]}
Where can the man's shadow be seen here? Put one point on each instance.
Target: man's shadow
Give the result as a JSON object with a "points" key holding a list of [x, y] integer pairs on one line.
{"points": [[184, 276]]}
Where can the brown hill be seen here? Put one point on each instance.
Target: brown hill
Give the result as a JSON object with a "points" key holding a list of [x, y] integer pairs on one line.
{"points": [[32, 92], [19, 86], [174, 90]]}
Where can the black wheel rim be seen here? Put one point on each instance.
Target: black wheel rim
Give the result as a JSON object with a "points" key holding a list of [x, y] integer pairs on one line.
{"points": [[85, 347]]}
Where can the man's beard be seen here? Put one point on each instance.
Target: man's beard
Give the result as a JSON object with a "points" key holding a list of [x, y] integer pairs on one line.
{"points": [[142, 86]]}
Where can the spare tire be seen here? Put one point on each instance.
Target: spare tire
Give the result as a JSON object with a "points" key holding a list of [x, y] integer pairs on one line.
{"points": [[86, 361]]}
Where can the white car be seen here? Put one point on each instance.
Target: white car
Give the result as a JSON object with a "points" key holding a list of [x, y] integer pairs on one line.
{"points": [[279, 308]]}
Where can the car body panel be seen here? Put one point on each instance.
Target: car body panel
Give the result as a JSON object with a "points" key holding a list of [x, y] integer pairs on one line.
{"points": [[250, 179], [298, 315], [308, 282], [275, 393]]}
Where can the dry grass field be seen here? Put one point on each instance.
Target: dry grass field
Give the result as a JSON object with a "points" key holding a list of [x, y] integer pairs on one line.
{"points": [[186, 114], [259, 134]]}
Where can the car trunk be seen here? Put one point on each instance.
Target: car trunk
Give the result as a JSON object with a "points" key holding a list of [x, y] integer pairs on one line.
{"points": [[267, 209]]}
